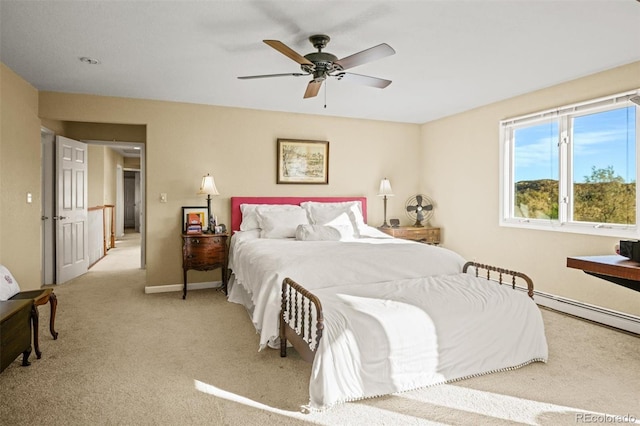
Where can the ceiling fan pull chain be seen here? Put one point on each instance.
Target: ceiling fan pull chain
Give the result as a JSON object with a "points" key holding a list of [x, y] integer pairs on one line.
{"points": [[326, 85]]}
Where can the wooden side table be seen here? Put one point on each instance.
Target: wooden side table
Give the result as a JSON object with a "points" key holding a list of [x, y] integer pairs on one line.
{"points": [[204, 252], [422, 234]]}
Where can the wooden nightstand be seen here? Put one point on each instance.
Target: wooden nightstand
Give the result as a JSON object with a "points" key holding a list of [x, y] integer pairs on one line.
{"points": [[421, 234], [204, 252]]}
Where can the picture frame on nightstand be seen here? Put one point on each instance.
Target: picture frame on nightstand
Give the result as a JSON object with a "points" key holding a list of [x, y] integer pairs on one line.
{"points": [[201, 212]]}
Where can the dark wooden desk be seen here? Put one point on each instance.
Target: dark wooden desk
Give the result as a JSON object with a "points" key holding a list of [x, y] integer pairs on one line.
{"points": [[613, 268]]}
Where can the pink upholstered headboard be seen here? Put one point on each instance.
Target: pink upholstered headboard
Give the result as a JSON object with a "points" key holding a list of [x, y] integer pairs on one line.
{"points": [[236, 214]]}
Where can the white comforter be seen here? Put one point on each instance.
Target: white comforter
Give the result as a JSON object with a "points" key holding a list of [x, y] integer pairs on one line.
{"points": [[260, 265], [405, 334]]}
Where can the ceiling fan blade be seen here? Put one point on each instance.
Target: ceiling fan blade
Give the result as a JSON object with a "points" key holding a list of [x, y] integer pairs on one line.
{"points": [[373, 53], [380, 83], [294, 74], [287, 51], [419, 200], [412, 208], [312, 89]]}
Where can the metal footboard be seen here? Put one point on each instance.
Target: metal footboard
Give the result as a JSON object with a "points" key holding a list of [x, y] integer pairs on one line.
{"points": [[501, 272], [301, 320]]}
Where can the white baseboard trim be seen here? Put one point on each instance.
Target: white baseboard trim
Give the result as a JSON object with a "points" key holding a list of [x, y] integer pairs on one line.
{"points": [[589, 312], [178, 287]]}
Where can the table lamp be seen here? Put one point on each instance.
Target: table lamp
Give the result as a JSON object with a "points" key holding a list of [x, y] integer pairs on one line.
{"points": [[385, 191], [208, 187]]}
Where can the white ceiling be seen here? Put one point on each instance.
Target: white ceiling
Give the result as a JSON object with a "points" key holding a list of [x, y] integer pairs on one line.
{"points": [[451, 55]]}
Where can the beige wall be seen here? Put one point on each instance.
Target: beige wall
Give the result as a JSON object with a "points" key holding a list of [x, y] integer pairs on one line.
{"points": [[103, 162], [454, 160], [238, 147], [95, 175], [105, 132], [20, 240], [460, 157], [131, 163], [111, 162], [58, 127]]}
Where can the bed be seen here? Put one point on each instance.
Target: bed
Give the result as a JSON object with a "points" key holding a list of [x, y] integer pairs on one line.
{"points": [[374, 314]]}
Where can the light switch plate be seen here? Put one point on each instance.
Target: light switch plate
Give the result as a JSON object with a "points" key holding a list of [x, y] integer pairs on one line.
{"points": [[163, 197]]}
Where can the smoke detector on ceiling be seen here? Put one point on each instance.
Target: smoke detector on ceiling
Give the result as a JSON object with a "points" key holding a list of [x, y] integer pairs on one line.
{"points": [[90, 61]]}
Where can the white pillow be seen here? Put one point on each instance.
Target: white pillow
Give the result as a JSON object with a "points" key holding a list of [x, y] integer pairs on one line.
{"points": [[280, 223], [317, 233], [8, 285], [328, 213], [344, 224], [250, 218]]}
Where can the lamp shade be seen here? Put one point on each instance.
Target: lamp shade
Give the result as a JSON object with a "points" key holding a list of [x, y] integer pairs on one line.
{"points": [[208, 186], [385, 188]]}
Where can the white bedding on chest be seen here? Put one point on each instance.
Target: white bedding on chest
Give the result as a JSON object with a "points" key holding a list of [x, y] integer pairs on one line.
{"points": [[405, 334], [260, 265]]}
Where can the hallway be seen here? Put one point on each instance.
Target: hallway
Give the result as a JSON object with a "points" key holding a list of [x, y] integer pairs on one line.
{"points": [[125, 255]]}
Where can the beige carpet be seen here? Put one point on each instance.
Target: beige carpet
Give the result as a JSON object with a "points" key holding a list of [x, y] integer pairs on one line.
{"points": [[126, 358]]}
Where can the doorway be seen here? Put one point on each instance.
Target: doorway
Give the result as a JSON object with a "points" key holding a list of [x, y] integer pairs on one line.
{"points": [[131, 201], [48, 196]]}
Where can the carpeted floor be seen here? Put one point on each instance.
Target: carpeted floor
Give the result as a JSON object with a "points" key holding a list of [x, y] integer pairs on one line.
{"points": [[129, 358]]}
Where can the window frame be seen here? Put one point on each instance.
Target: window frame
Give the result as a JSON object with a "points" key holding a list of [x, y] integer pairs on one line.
{"points": [[563, 115]]}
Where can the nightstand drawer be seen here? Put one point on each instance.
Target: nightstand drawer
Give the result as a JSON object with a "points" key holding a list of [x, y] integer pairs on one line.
{"points": [[428, 235], [425, 235], [204, 241], [196, 260], [204, 252], [198, 252]]}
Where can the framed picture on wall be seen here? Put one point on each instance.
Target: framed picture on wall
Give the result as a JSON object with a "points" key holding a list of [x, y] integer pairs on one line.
{"points": [[303, 161], [190, 214]]}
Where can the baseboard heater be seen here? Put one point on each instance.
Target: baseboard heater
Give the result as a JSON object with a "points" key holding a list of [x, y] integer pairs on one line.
{"points": [[626, 322]]}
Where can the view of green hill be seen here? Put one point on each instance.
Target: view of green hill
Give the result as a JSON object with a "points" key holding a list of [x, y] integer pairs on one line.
{"points": [[603, 198]]}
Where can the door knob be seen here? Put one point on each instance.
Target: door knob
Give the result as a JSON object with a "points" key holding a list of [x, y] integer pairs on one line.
{"points": [[59, 217]]}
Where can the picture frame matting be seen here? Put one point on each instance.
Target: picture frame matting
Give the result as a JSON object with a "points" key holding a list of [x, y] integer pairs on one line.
{"points": [[201, 211], [303, 161]]}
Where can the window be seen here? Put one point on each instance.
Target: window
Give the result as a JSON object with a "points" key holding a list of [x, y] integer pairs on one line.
{"points": [[573, 168]]}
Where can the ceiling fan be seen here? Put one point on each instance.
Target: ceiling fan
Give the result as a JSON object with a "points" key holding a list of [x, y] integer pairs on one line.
{"points": [[321, 65]]}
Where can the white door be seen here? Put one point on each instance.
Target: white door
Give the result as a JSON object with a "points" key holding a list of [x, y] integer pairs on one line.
{"points": [[72, 239]]}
